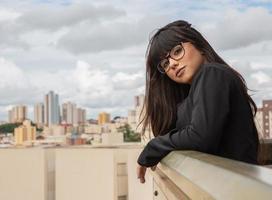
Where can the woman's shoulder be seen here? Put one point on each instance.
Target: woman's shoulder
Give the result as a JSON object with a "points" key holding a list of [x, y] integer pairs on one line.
{"points": [[213, 71]]}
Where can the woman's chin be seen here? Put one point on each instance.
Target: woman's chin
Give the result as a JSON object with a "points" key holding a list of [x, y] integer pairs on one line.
{"points": [[182, 80]]}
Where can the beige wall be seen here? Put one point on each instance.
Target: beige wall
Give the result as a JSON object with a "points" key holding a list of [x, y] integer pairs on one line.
{"points": [[72, 173], [22, 174], [84, 174], [137, 190]]}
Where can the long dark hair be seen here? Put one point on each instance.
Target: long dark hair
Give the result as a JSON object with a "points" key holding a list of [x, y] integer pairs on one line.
{"points": [[162, 95]]}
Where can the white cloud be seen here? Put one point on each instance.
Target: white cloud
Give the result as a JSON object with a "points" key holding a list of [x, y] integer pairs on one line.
{"points": [[8, 15], [110, 35], [85, 85], [261, 77], [56, 17], [241, 28]]}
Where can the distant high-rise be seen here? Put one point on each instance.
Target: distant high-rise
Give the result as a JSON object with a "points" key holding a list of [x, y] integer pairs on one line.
{"points": [[18, 114], [103, 118], [68, 112], [10, 116], [73, 115], [81, 113], [132, 118], [39, 114], [264, 119], [135, 116], [51, 109], [139, 100]]}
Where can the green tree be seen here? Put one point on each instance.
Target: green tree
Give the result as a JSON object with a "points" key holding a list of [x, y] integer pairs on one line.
{"points": [[8, 128], [129, 134]]}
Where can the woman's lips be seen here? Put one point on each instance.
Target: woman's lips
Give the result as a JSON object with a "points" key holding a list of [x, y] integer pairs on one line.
{"points": [[180, 71]]}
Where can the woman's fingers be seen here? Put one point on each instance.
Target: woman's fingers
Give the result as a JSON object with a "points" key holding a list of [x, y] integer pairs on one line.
{"points": [[154, 167], [141, 173], [141, 170]]}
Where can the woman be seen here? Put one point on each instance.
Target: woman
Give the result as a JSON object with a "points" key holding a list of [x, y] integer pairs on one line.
{"points": [[194, 100]]}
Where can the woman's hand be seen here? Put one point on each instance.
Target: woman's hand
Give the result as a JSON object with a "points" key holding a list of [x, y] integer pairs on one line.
{"points": [[141, 172]]}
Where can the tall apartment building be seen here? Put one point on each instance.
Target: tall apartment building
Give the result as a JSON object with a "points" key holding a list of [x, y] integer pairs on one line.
{"points": [[103, 118], [17, 114], [39, 114], [73, 115], [263, 119], [134, 114], [81, 113], [132, 118], [68, 114], [51, 109], [25, 132]]}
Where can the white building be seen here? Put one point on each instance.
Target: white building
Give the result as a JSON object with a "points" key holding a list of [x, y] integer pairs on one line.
{"points": [[17, 114], [39, 114], [135, 117], [73, 115]]}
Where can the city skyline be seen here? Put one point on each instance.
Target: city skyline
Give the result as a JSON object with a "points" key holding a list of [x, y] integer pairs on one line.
{"points": [[94, 53], [50, 111]]}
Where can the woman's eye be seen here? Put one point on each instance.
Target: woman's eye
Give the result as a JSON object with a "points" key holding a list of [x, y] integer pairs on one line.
{"points": [[165, 64], [177, 51]]}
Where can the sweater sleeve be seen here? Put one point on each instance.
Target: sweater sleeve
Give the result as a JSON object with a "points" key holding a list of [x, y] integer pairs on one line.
{"points": [[211, 91]]}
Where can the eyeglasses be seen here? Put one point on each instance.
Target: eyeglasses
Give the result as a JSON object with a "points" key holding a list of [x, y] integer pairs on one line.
{"points": [[176, 53]]}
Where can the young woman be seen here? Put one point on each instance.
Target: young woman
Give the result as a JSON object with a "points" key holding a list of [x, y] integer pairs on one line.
{"points": [[194, 100]]}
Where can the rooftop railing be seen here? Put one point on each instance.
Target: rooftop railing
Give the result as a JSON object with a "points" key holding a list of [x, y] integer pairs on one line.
{"points": [[195, 175]]}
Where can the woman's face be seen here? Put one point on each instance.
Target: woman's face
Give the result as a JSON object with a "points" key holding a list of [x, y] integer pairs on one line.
{"points": [[184, 69]]}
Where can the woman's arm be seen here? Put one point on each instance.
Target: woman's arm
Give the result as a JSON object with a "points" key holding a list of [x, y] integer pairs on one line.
{"points": [[211, 94]]}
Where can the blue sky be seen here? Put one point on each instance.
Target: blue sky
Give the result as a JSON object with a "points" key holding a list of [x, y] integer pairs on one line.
{"points": [[92, 52]]}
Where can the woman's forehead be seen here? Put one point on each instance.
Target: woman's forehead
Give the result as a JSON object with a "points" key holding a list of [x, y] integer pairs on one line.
{"points": [[162, 50], [162, 44]]}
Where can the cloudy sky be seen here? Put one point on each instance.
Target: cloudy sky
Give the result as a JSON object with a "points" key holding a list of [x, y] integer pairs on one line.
{"points": [[93, 52]]}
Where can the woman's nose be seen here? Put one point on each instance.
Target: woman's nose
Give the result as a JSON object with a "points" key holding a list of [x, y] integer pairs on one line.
{"points": [[173, 63]]}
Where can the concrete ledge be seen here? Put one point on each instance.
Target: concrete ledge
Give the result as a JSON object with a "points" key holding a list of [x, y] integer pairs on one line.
{"points": [[204, 176]]}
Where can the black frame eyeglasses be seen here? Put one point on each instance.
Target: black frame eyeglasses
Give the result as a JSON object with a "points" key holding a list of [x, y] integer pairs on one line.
{"points": [[176, 54]]}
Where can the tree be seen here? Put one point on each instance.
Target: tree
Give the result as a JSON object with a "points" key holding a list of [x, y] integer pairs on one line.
{"points": [[8, 128], [129, 134]]}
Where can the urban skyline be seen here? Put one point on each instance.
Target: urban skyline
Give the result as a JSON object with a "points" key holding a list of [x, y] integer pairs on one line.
{"points": [[49, 112], [68, 113], [91, 115]]}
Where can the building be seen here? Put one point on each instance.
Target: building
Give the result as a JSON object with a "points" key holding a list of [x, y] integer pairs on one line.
{"points": [[75, 139], [112, 138], [68, 112], [81, 113], [39, 114], [132, 118], [24, 133], [93, 129], [17, 114], [135, 116], [263, 119], [135, 113], [51, 109], [73, 115], [103, 118]]}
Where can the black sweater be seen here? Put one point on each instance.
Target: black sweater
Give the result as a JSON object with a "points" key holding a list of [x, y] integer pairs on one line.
{"points": [[214, 118]]}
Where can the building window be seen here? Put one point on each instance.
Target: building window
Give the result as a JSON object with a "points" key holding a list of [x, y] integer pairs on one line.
{"points": [[266, 105], [124, 197]]}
